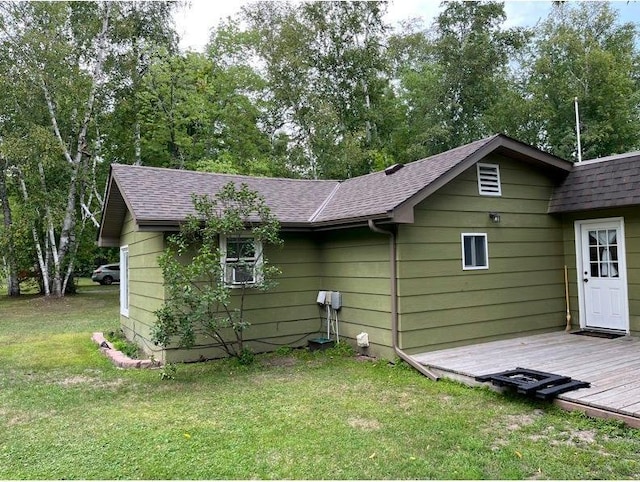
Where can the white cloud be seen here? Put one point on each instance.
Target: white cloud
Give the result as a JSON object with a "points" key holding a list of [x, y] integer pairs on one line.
{"points": [[194, 21]]}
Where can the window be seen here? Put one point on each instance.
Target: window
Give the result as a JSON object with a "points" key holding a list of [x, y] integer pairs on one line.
{"points": [[124, 281], [241, 260], [489, 180], [474, 251]]}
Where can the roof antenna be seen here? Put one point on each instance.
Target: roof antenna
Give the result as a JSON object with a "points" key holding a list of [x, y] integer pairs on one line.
{"points": [[575, 101]]}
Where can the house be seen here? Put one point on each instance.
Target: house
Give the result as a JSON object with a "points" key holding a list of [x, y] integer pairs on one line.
{"points": [[459, 248]]}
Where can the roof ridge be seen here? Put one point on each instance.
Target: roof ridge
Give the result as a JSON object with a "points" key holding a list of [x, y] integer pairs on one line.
{"points": [[481, 142], [324, 203], [613, 157], [223, 174]]}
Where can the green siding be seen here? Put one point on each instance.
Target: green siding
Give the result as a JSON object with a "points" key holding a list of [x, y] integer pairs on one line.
{"points": [[146, 290], [631, 218], [440, 304], [356, 263], [286, 314]]}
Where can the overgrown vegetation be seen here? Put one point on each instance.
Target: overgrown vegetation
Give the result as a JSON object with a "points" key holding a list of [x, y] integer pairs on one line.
{"points": [[209, 268], [67, 413], [120, 343]]}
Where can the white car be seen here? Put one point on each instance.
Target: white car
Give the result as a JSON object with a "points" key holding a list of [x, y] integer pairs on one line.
{"points": [[106, 274]]}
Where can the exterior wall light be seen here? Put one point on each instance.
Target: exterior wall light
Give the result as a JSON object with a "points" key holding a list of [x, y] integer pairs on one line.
{"points": [[495, 217]]}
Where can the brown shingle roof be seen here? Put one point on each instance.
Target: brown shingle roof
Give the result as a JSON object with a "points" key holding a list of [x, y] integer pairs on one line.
{"points": [[602, 183], [159, 195], [161, 198], [378, 194]]}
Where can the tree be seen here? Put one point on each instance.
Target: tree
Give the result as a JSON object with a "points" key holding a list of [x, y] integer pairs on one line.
{"points": [[59, 57], [582, 51], [143, 30], [325, 76], [7, 241], [195, 113], [455, 79], [204, 296]]}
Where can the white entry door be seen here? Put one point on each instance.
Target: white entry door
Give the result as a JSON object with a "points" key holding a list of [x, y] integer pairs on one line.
{"points": [[603, 276]]}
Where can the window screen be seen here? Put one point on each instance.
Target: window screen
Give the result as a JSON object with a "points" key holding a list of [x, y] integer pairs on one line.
{"points": [[241, 260], [474, 251]]}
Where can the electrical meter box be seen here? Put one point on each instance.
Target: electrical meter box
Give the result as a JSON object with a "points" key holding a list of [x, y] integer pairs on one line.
{"points": [[332, 298], [322, 297], [336, 300]]}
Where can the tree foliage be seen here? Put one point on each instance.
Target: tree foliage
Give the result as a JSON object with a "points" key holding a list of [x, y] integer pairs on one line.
{"points": [[201, 302], [323, 66], [64, 66], [583, 52], [455, 77], [304, 89]]}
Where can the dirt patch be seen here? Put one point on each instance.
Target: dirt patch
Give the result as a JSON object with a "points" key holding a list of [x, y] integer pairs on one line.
{"points": [[280, 362], [365, 358], [513, 423], [18, 420], [572, 438], [364, 424], [516, 422], [85, 380]]}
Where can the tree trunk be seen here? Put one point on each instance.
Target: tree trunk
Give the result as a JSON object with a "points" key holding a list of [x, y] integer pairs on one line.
{"points": [[137, 142], [42, 264], [77, 161], [13, 286]]}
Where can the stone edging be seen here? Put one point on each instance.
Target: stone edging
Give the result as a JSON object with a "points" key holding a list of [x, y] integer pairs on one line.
{"points": [[118, 358]]}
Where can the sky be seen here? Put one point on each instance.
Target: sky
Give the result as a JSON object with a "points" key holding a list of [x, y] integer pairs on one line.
{"points": [[194, 22]]}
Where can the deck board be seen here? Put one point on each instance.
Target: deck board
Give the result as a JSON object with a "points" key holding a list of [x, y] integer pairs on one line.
{"points": [[611, 366]]}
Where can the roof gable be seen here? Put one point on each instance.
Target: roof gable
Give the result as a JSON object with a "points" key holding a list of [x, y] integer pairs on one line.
{"points": [[394, 196], [160, 198]]}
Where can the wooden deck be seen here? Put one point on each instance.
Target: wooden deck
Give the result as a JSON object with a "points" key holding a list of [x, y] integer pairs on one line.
{"points": [[612, 366]]}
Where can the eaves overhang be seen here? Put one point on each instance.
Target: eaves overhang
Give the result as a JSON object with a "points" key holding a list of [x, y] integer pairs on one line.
{"points": [[114, 212], [172, 225]]}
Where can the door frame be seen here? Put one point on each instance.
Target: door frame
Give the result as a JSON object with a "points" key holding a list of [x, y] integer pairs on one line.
{"points": [[622, 266]]}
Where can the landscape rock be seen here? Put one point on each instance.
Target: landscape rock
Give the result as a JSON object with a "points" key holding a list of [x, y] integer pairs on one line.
{"points": [[118, 358]]}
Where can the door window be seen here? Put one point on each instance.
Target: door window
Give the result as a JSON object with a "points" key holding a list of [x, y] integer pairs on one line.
{"points": [[603, 253]]}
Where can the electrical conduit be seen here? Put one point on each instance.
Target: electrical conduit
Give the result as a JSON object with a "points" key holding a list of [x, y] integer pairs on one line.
{"points": [[394, 303]]}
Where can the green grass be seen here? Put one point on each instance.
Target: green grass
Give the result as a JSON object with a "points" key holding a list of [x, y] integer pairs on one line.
{"points": [[65, 412]]}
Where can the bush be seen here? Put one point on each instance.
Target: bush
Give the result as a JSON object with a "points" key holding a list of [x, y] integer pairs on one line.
{"points": [[120, 343]]}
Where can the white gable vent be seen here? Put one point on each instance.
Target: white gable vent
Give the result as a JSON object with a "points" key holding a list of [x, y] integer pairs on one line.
{"points": [[489, 180]]}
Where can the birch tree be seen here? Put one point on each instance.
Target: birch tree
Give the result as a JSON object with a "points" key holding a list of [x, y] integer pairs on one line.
{"points": [[326, 78], [7, 238], [585, 51], [66, 51]]}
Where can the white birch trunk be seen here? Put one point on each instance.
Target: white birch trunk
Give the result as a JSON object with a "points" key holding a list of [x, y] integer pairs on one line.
{"points": [[77, 161], [44, 268]]}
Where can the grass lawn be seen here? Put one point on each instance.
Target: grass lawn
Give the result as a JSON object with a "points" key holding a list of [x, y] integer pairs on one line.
{"points": [[65, 412]]}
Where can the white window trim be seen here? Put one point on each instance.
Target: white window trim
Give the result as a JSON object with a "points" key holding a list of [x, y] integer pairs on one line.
{"points": [[258, 260], [486, 251], [124, 280], [497, 169]]}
